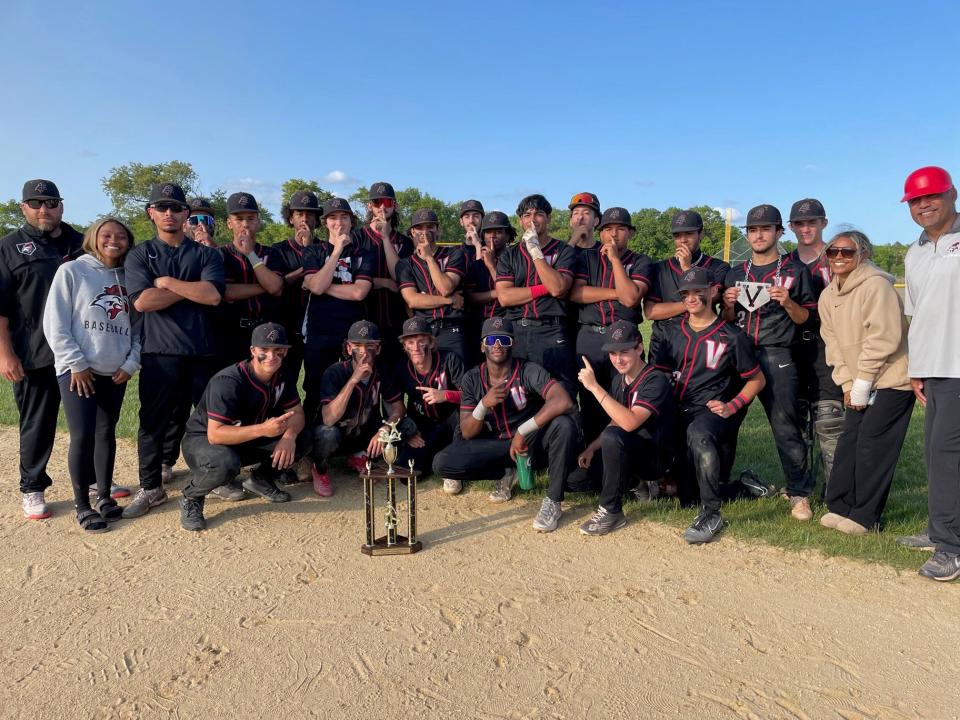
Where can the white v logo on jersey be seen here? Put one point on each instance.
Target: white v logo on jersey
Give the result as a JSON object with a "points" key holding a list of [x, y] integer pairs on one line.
{"points": [[786, 281], [519, 397], [715, 351]]}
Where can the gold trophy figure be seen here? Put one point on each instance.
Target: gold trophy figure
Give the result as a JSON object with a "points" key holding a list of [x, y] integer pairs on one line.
{"points": [[392, 543]]}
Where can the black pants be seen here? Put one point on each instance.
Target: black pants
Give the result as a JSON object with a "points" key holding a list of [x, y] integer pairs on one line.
{"points": [[867, 456], [92, 423], [329, 441], [553, 446], [942, 454], [590, 343], [624, 459], [451, 339], [216, 465], [169, 385], [38, 402], [780, 401], [548, 346], [320, 354], [705, 457], [437, 436]]}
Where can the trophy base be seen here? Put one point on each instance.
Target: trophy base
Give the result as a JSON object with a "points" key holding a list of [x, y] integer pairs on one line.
{"points": [[401, 547]]}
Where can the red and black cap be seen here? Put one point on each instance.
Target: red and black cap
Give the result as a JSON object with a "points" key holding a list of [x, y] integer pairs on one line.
{"points": [[415, 326], [304, 200], [382, 190], [764, 215], [807, 209], [40, 190], [422, 216], [241, 202], [497, 326], [615, 216], [623, 335], [269, 335], [686, 221], [363, 331], [471, 206], [585, 199]]}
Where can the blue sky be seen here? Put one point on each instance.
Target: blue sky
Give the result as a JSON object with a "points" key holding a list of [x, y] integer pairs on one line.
{"points": [[645, 104]]}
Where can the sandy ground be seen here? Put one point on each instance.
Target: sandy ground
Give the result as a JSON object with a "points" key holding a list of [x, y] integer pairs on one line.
{"points": [[273, 612]]}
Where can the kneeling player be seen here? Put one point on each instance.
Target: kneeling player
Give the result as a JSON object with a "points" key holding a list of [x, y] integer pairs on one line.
{"points": [[637, 439], [430, 378], [716, 376], [249, 414], [510, 407]]}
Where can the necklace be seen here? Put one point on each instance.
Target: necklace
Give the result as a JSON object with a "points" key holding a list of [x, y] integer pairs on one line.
{"points": [[776, 277]]}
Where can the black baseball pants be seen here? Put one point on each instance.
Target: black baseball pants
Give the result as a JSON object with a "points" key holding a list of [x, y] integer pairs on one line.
{"points": [[38, 402], [942, 453], [590, 342], [548, 346], [216, 465], [780, 400]]}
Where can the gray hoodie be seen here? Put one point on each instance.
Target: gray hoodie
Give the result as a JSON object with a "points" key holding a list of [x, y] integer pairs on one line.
{"points": [[88, 320]]}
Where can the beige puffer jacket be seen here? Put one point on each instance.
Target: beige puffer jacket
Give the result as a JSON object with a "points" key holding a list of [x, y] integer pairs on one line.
{"points": [[864, 329]]}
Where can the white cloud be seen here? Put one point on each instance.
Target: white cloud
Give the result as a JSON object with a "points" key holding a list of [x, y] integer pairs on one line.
{"points": [[267, 192], [338, 177], [810, 167]]}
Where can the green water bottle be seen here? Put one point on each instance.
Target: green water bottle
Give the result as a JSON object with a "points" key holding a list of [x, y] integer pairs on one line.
{"points": [[524, 471]]}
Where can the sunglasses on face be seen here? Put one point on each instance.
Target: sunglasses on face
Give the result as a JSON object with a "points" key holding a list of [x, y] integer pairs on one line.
{"points": [[197, 219], [844, 252], [50, 203], [501, 340], [166, 207], [384, 203]]}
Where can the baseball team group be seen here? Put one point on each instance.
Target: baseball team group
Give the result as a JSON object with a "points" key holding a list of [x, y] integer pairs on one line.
{"points": [[484, 355]]}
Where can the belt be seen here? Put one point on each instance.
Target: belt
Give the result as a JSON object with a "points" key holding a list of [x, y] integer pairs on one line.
{"points": [[809, 335], [530, 322], [445, 323], [249, 323], [601, 329]]}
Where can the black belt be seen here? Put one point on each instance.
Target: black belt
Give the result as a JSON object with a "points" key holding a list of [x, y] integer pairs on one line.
{"points": [[445, 323], [809, 335], [530, 322], [248, 323], [601, 329]]}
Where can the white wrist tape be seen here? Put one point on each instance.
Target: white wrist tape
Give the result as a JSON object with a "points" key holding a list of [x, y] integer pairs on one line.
{"points": [[860, 392], [528, 427], [479, 412]]}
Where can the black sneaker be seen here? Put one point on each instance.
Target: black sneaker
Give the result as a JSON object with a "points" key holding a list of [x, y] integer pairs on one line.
{"points": [[916, 542], [288, 477], [191, 514], [754, 485], [943, 566], [706, 528], [603, 522], [265, 489]]}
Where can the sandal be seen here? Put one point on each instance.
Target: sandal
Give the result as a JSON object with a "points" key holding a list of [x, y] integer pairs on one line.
{"points": [[92, 522], [108, 509]]}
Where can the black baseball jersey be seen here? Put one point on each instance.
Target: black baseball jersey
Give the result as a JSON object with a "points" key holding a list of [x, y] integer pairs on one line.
{"points": [[364, 402], [383, 307], [413, 272], [478, 280], [820, 277], [234, 396], [29, 259], [707, 364], [515, 265], [446, 373], [285, 258], [596, 271], [665, 277], [184, 328], [527, 386], [328, 316], [651, 389], [769, 325], [238, 269]]}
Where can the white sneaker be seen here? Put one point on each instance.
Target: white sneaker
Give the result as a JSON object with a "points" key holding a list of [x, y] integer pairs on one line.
{"points": [[451, 486], [505, 485], [34, 507], [548, 517]]}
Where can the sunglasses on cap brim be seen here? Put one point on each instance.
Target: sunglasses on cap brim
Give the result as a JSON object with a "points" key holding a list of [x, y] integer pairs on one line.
{"points": [[49, 203], [501, 340]]}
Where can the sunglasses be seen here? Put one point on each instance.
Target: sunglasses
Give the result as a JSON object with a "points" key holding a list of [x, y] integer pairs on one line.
{"points": [[164, 207], [384, 203], [501, 340], [197, 219], [50, 203], [582, 199], [844, 252]]}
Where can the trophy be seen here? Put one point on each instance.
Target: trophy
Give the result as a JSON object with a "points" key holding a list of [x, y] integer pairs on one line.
{"points": [[392, 543]]}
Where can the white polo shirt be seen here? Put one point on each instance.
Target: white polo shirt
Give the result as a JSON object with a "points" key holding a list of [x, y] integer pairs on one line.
{"points": [[932, 299]]}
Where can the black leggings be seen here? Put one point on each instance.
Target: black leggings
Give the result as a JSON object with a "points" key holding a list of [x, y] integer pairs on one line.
{"points": [[92, 423]]}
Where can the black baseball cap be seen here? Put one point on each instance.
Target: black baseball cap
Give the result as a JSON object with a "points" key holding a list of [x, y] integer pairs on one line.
{"points": [[167, 194], [615, 216], [269, 335], [586, 199], [696, 278], [471, 206], [363, 331], [200, 206], [242, 202], [497, 326], [40, 190], [304, 200], [415, 326], [381, 190], [764, 215], [496, 219], [421, 216], [686, 221], [336, 204], [623, 336], [807, 209]]}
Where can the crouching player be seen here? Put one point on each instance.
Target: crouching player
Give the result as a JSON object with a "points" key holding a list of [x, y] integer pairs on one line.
{"points": [[638, 438], [430, 379], [716, 376], [510, 407], [249, 414]]}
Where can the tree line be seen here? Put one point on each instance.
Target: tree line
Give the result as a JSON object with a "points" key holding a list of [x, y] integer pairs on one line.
{"points": [[128, 188]]}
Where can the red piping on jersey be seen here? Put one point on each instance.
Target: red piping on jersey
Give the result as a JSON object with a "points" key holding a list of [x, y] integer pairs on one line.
{"points": [[503, 405], [259, 388], [696, 347]]}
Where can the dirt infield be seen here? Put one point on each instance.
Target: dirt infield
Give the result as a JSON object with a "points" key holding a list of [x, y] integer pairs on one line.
{"points": [[273, 612]]}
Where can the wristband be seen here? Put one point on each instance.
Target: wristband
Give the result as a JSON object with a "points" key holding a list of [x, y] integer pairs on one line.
{"points": [[528, 427], [257, 264], [479, 412], [736, 404], [253, 258], [451, 396], [538, 291]]}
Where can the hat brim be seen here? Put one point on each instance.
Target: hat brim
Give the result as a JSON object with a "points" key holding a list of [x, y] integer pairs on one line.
{"points": [[626, 225], [414, 334], [694, 286], [810, 217], [42, 197], [302, 207], [614, 346], [271, 345], [687, 228]]}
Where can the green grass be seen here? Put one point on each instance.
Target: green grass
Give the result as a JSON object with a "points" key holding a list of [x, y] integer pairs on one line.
{"points": [[766, 520]]}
